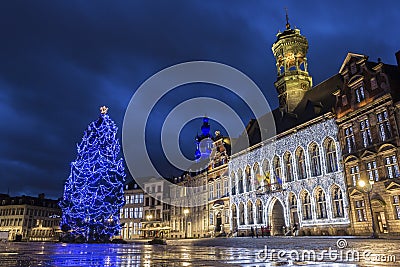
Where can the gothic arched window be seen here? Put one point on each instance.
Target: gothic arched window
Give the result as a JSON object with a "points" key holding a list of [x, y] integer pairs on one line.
{"points": [[250, 218], [306, 206], [248, 178], [241, 214], [301, 164], [277, 170], [266, 175], [321, 204], [256, 176], [288, 167], [337, 202], [240, 181], [315, 160], [259, 212], [331, 157], [233, 184]]}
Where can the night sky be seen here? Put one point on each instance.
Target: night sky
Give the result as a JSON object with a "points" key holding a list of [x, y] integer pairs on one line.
{"points": [[62, 60]]}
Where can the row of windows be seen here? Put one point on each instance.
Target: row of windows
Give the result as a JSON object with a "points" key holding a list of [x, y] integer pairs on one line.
{"points": [[29, 212], [383, 128], [41, 233], [306, 206], [291, 167], [215, 190], [150, 201], [361, 214], [28, 222], [131, 229], [132, 213], [391, 170], [31, 202], [13, 211], [153, 189], [134, 199]]}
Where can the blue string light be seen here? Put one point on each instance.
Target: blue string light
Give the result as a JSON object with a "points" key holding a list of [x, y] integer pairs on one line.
{"points": [[93, 193]]}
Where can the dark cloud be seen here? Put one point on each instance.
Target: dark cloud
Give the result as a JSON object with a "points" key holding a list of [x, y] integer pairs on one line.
{"points": [[60, 61]]}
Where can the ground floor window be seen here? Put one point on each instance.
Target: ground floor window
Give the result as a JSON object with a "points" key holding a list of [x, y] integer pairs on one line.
{"points": [[307, 206], [360, 210], [396, 205], [226, 215]]}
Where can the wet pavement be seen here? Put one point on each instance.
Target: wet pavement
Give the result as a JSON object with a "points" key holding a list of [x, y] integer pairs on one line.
{"points": [[257, 252]]}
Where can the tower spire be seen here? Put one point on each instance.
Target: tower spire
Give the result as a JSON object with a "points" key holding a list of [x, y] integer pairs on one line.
{"points": [[287, 19]]}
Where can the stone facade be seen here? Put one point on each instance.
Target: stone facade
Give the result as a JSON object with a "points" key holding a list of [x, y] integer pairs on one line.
{"points": [[316, 201], [30, 218], [368, 117], [132, 212], [156, 212]]}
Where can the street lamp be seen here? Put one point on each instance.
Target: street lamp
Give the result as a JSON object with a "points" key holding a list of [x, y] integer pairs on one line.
{"points": [[186, 212], [366, 187], [149, 217]]}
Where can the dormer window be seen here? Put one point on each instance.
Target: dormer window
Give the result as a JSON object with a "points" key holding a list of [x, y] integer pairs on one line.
{"points": [[353, 68], [374, 84], [360, 96]]}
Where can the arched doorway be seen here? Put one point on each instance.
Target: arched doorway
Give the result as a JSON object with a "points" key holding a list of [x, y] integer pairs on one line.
{"points": [[276, 217]]}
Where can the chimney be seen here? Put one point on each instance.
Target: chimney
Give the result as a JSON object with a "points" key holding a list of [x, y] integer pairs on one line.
{"points": [[398, 59]]}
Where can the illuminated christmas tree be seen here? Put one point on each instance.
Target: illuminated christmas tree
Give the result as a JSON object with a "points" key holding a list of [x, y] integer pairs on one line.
{"points": [[93, 193]]}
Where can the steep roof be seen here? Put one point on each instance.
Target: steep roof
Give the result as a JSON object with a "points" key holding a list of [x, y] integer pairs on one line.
{"points": [[317, 101]]}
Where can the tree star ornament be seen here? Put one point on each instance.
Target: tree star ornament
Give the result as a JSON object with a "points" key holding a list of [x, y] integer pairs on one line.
{"points": [[103, 110]]}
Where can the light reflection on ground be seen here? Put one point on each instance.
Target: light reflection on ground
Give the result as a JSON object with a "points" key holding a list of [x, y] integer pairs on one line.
{"points": [[203, 252]]}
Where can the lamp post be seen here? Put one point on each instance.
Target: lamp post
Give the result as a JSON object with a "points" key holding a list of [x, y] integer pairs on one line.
{"points": [[366, 187], [149, 217], [186, 212]]}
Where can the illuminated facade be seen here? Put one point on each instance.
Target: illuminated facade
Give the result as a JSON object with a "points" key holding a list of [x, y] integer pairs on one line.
{"points": [[328, 138], [30, 218], [200, 205], [302, 182], [131, 215], [218, 187], [295, 177], [156, 213], [188, 215], [368, 116]]}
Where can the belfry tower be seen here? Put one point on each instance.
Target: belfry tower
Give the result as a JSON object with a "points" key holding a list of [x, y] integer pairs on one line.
{"points": [[293, 81]]}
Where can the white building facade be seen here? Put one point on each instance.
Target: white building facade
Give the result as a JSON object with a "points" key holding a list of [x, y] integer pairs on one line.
{"points": [[294, 179]]}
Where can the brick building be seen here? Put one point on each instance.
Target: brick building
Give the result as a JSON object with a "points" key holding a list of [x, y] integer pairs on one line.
{"points": [[368, 114]]}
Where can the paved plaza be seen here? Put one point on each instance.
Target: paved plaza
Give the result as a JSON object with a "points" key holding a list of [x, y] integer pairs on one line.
{"points": [[271, 251]]}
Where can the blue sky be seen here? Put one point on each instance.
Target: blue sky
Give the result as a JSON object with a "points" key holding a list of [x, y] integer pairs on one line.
{"points": [[62, 60]]}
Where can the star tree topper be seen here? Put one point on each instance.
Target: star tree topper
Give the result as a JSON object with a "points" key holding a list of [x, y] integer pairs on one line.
{"points": [[103, 110]]}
